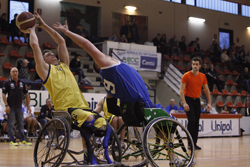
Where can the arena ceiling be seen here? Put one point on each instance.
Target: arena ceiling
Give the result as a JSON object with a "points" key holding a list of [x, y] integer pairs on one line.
{"points": [[243, 2]]}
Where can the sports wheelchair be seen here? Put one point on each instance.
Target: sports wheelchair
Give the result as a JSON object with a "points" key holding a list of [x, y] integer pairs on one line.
{"points": [[164, 142]]}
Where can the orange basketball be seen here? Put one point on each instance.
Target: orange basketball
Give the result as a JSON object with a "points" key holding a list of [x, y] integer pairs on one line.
{"points": [[25, 20]]}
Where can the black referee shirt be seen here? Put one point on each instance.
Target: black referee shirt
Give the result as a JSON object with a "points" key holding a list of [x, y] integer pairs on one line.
{"points": [[15, 91]]}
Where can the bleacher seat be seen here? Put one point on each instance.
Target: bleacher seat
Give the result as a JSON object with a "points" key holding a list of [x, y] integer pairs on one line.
{"points": [[47, 45], [15, 54], [235, 93], [5, 41], [188, 68], [186, 59], [1, 54], [7, 66], [177, 58], [180, 68], [226, 93], [167, 56], [219, 71], [216, 92], [235, 73], [227, 72], [240, 105], [220, 104], [231, 82], [231, 105], [29, 55], [19, 42]]}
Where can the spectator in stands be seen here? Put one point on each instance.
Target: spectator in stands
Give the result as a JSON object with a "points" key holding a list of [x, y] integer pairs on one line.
{"points": [[241, 59], [225, 59], [231, 48], [204, 109], [181, 106], [163, 41], [23, 67], [157, 42], [182, 44], [215, 49], [15, 32], [123, 39], [247, 59], [4, 24], [80, 30], [214, 78], [224, 110], [235, 61], [204, 70], [46, 112], [3, 122], [174, 46], [195, 46], [126, 30], [114, 38], [244, 79], [38, 82], [75, 66], [242, 49], [134, 30], [171, 106], [29, 118]]}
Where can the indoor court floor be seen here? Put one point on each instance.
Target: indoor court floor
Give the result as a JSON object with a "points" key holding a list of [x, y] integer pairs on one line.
{"points": [[216, 152]]}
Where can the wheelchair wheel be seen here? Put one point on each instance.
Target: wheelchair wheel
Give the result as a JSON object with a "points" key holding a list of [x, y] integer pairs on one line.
{"points": [[165, 143], [52, 143], [114, 148], [37, 129], [132, 150]]}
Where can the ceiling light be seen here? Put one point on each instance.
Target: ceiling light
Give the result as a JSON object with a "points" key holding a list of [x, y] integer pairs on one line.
{"points": [[248, 28], [131, 8], [197, 19]]}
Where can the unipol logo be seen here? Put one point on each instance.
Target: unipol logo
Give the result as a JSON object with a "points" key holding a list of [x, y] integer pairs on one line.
{"points": [[148, 62]]}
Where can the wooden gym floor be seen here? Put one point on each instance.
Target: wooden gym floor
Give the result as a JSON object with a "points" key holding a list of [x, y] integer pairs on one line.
{"points": [[221, 152]]}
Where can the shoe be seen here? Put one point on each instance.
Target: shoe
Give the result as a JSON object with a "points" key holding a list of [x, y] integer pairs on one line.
{"points": [[122, 145], [61, 137], [197, 147], [30, 134], [5, 136], [25, 143], [86, 81], [12, 143], [46, 137], [176, 163]]}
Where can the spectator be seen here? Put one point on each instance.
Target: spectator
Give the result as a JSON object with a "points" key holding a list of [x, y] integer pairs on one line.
{"points": [[29, 118], [244, 79], [225, 59], [231, 48], [204, 70], [171, 106], [174, 46], [235, 61], [15, 90], [126, 30], [123, 39], [214, 78], [38, 82], [182, 44], [204, 109], [46, 112], [15, 32], [75, 66], [215, 49], [157, 42], [4, 24], [3, 122], [242, 49], [23, 67], [163, 41], [195, 46], [241, 59], [247, 59], [114, 38], [225, 110], [134, 30], [82, 31], [181, 106]]}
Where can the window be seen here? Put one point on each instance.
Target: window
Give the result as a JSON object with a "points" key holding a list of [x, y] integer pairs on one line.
{"points": [[190, 2], [219, 5], [177, 1], [245, 10]]}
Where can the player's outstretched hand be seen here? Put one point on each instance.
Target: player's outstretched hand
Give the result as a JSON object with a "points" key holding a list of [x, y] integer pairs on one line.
{"points": [[41, 23], [61, 27], [28, 30]]}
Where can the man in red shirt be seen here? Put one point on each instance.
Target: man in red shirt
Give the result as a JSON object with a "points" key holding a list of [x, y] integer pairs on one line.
{"points": [[190, 90]]}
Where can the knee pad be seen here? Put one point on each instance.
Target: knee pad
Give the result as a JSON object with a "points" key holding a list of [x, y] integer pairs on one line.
{"points": [[89, 126]]}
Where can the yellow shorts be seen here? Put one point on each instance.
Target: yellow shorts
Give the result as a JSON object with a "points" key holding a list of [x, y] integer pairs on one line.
{"points": [[79, 116], [110, 119]]}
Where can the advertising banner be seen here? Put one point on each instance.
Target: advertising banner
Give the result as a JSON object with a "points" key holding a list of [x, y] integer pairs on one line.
{"points": [[141, 61], [216, 127]]}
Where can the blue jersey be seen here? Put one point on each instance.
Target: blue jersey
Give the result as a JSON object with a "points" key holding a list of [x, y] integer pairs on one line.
{"points": [[124, 82]]}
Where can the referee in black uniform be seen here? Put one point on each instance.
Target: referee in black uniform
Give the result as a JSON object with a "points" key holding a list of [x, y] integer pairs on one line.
{"points": [[15, 90]]}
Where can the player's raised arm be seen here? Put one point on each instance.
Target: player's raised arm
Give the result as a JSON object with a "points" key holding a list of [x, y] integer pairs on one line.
{"points": [[100, 58], [62, 49], [42, 67]]}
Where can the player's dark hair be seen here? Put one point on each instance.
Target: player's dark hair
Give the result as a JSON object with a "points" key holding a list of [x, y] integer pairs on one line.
{"points": [[196, 59]]}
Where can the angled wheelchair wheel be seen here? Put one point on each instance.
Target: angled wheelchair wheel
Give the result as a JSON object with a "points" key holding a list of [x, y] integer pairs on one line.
{"points": [[165, 143], [114, 148], [132, 150], [52, 143]]}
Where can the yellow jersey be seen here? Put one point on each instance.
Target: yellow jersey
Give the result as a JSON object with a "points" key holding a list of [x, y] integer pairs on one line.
{"points": [[63, 88], [107, 114]]}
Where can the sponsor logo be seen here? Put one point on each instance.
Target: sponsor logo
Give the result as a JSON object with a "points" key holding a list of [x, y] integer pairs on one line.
{"points": [[221, 126], [148, 62], [130, 60]]}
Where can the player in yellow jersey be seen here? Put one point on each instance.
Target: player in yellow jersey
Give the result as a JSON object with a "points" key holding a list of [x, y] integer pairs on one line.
{"points": [[61, 84], [107, 104]]}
